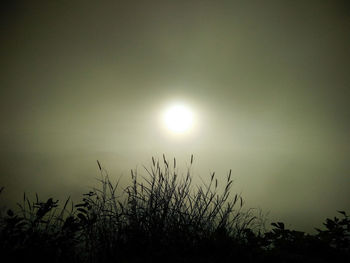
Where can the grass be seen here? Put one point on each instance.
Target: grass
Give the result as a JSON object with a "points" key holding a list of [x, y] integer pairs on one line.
{"points": [[161, 216]]}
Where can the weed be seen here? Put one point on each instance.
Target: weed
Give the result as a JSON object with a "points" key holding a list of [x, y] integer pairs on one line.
{"points": [[161, 216]]}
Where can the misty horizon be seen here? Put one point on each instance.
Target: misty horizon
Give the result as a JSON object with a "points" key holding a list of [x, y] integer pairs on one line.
{"points": [[268, 83]]}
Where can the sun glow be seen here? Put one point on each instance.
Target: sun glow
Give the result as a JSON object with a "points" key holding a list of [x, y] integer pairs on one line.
{"points": [[178, 118]]}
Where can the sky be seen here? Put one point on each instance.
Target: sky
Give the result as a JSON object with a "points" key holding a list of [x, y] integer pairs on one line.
{"points": [[268, 83]]}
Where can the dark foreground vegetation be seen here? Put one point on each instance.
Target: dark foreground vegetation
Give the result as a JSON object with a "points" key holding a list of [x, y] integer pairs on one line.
{"points": [[161, 217]]}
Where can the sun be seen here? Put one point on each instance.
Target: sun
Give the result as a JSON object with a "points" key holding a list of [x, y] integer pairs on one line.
{"points": [[178, 118]]}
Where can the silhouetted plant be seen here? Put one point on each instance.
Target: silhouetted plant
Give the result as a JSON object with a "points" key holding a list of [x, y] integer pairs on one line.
{"points": [[337, 233], [161, 216]]}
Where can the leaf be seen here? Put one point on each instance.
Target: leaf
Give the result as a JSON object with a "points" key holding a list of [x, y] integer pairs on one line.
{"points": [[342, 212], [99, 165], [281, 225], [82, 210], [80, 205], [10, 213], [82, 217]]}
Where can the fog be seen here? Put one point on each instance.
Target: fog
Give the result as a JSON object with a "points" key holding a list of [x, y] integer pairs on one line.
{"points": [[269, 82]]}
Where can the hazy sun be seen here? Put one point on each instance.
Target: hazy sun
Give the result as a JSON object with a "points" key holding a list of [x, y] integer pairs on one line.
{"points": [[178, 118]]}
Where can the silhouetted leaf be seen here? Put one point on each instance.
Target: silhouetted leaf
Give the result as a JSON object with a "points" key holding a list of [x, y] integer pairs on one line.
{"points": [[82, 210], [82, 217], [342, 212], [10, 213], [281, 225], [99, 165]]}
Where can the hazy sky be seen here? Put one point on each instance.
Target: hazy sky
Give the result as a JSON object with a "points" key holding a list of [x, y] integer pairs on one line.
{"points": [[268, 81]]}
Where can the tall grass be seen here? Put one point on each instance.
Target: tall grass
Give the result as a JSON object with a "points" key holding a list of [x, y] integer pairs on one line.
{"points": [[160, 215], [161, 211]]}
